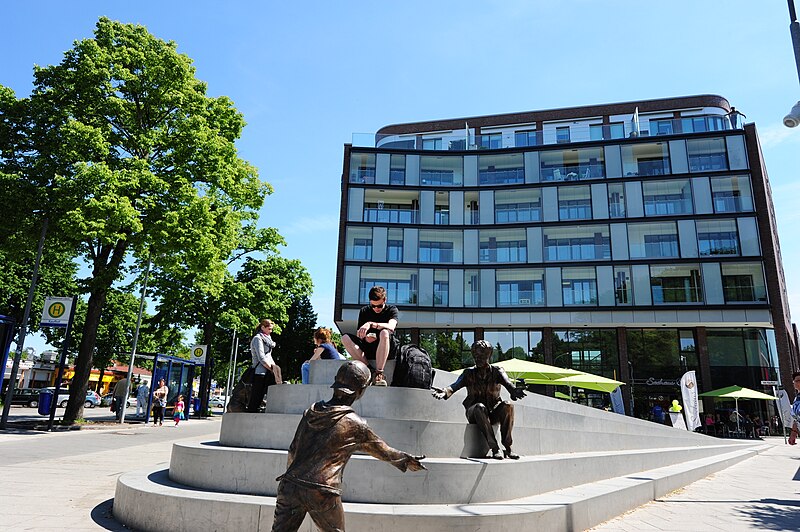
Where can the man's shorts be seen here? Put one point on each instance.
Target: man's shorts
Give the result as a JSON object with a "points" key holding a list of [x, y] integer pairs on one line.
{"points": [[370, 348]]}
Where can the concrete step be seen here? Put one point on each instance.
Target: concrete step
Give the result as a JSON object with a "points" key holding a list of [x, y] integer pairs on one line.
{"points": [[447, 480], [149, 500], [460, 439], [418, 405]]}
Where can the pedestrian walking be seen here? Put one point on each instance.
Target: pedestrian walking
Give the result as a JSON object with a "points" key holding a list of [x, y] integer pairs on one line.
{"points": [[142, 395], [160, 402], [177, 415]]}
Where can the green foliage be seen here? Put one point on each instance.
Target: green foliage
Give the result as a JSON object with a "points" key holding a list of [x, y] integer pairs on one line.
{"points": [[135, 160], [295, 343]]}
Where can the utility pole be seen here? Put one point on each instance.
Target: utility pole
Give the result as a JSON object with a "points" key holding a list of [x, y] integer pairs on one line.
{"points": [[793, 118]]}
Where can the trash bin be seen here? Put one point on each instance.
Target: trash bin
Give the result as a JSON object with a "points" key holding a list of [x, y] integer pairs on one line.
{"points": [[196, 403], [45, 400]]}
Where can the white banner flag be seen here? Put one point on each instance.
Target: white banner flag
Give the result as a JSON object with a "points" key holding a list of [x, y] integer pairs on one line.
{"points": [[691, 404], [785, 409], [617, 404]]}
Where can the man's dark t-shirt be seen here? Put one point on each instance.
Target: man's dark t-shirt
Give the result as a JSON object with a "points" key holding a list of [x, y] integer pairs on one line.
{"points": [[366, 314]]}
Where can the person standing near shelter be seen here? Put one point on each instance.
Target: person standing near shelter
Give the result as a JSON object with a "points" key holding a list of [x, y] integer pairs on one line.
{"points": [[160, 402], [325, 350], [267, 371], [142, 395], [375, 339], [795, 408], [326, 437], [121, 396]]}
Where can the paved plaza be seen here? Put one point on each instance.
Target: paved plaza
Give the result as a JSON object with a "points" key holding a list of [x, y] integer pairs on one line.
{"points": [[66, 480]]}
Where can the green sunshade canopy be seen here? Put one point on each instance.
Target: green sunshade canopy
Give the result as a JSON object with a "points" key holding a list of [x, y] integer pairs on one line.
{"points": [[737, 392], [517, 368], [582, 380], [561, 395]]}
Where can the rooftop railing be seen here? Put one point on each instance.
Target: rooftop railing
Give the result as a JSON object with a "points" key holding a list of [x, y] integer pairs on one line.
{"points": [[551, 134]]}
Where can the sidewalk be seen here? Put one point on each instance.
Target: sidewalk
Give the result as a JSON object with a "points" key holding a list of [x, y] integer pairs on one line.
{"points": [[66, 480], [761, 493]]}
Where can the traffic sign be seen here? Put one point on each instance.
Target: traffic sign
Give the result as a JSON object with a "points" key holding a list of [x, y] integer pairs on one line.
{"points": [[56, 311], [199, 354], [770, 383]]}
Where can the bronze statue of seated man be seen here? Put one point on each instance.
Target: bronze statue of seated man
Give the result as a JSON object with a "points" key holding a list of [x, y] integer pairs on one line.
{"points": [[483, 404]]}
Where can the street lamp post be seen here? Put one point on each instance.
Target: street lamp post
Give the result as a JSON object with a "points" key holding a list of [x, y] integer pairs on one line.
{"points": [[793, 118]]}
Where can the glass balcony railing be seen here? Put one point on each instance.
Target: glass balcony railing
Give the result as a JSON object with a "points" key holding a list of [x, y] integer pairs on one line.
{"points": [[551, 133]]}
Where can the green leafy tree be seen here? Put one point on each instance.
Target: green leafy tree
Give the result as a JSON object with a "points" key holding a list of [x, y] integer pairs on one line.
{"points": [[295, 342], [140, 162]]}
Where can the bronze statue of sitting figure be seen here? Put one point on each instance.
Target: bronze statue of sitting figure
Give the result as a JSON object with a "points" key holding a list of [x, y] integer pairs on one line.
{"points": [[326, 437], [483, 404]]}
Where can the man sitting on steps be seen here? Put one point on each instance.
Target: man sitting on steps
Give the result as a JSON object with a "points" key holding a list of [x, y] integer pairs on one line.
{"points": [[375, 339]]}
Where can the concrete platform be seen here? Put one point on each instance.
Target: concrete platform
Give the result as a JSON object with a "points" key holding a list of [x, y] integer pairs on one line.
{"points": [[142, 496]]}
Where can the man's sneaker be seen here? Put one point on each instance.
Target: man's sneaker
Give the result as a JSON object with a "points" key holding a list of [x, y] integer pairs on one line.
{"points": [[379, 379]]}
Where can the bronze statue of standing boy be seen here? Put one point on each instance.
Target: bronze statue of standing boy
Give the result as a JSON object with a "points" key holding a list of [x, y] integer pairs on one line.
{"points": [[327, 436], [483, 403]]}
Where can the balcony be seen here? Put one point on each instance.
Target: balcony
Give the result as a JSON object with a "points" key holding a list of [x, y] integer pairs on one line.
{"points": [[548, 134]]}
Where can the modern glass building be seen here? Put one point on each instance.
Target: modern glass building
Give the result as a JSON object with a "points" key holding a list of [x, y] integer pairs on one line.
{"points": [[634, 240]]}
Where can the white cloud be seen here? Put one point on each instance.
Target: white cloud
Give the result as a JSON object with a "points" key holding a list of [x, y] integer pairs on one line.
{"points": [[775, 134]]}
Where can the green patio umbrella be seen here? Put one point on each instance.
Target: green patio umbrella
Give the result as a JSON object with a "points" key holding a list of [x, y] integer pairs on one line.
{"points": [[736, 393], [517, 368], [581, 380], [560, 395]]}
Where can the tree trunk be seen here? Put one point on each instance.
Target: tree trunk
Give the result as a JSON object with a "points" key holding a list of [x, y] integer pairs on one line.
{"points": [[83, 362], [104, 273]]}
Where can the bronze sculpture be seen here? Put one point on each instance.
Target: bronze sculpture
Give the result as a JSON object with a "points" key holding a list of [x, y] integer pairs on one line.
{"points": [[327, 436], [483, 404]]}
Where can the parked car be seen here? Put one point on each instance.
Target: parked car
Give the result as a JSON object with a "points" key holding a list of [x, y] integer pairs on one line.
{"points": [[92, 398], [217, 401], [26, 396]]}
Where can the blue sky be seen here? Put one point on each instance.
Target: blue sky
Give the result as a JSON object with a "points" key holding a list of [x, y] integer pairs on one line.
{"points": [[307, 75]]}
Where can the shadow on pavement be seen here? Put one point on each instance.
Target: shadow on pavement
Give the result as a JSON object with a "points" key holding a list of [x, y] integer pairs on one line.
{"points": [[783, 516], [102, 515]]}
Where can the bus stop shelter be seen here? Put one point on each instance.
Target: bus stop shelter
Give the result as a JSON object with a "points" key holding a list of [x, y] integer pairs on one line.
{"points": [[178, 373]]}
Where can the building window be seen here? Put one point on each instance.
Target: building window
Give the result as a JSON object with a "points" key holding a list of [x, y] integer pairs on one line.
{"points": [[731, 194], [362, 168], [431, 144], [653, 240], [526, 138], [701, 124], [622, 285], [717, 237], [490, 141], [472, 288], [397, 170], [441, 214], [579, 286], [676, 284], [743, 283], [595, 131], [436, 252], [519, 288], [503, 246], [574, 203], [650, 158], [577, 243], [441, 170], [512, 206], [571, 164], [359, 244], [401, 284], [590, 350], [389, 213], [501, 169], [472, 215], [441, 288], [614, 130], [616, 200], [662, 126], [562, 135], [394, 251], [706, 154], [667, 197]]}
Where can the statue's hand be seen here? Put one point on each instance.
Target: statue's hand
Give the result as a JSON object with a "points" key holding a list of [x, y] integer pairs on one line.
{"points": [[413, 463], [441, 393], [518, 393]]}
